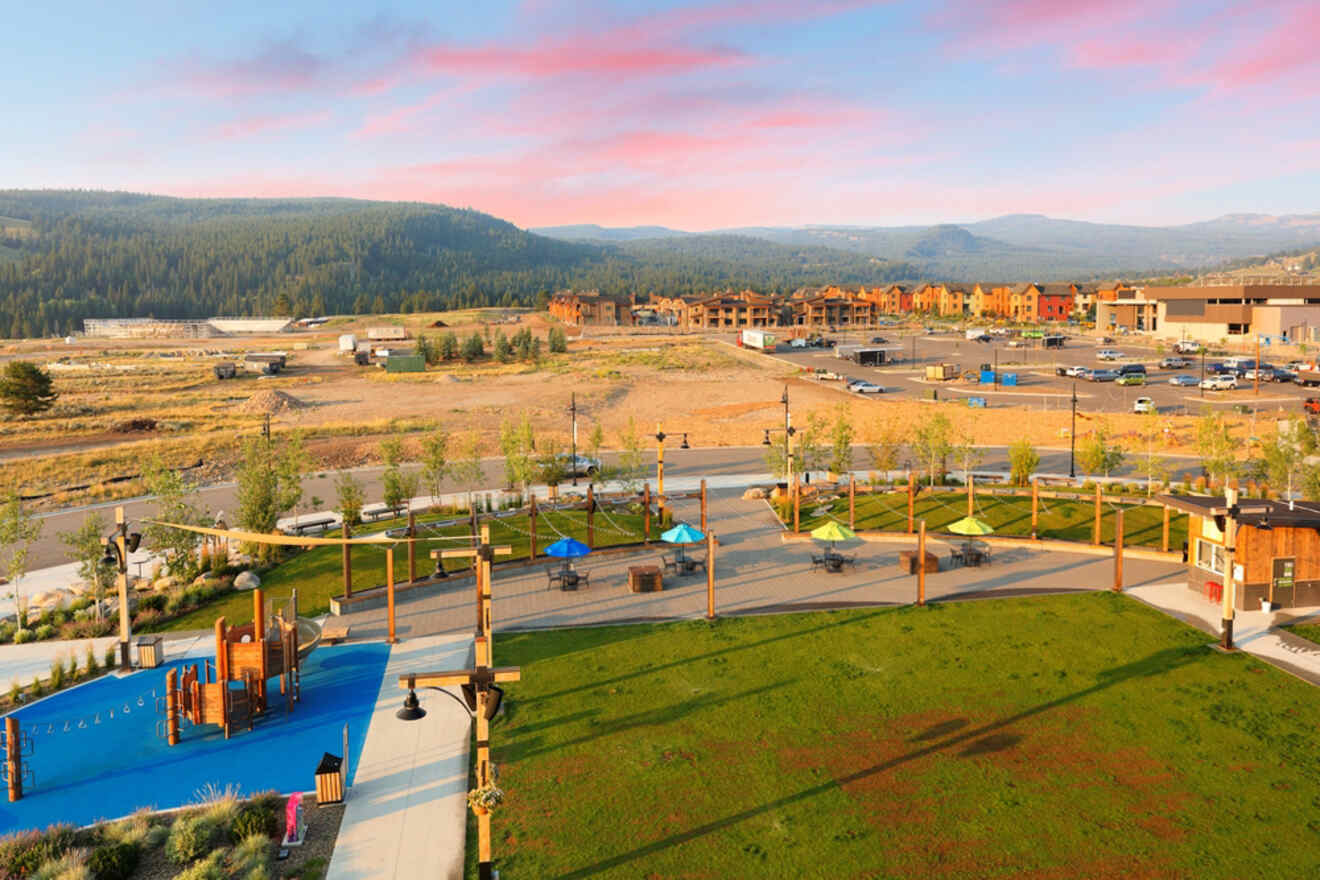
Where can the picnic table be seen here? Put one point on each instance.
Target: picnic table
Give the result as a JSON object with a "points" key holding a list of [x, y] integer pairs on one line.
{"points": [[832, 562], [566, 578]]}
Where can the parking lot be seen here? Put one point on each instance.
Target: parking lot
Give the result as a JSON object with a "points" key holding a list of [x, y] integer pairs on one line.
{"points": [[1037, 385]]}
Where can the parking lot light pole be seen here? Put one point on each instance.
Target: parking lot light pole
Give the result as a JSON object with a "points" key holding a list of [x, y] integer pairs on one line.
{"points": [[1072, 436], [1201, 384], [572, 410]]}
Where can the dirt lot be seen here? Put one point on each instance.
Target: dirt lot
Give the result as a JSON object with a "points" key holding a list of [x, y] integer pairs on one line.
{"points": [[718, 394]]}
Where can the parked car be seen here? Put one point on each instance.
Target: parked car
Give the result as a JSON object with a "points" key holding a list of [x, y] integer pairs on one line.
{"points": [[1108, 354], [1105, 340], [1076, 372], [579, 466], [1311, 405], [1184, 381], [1294, 366], [1280, 374], [1187, 346], [1264, 373], [1174, 363], [1062, 371], [1103, 375], [1307, 378], [878, 340], [1143, 405], [865, 387], [1221, 382], [1131, 379], [1132, 369]]}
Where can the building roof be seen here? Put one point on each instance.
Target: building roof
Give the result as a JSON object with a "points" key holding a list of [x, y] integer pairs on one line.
{"points": [[1255, 512], [1057, 289]]}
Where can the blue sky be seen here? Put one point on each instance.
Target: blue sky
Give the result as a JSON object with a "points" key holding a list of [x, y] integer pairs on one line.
{"points": [[691, 114]]}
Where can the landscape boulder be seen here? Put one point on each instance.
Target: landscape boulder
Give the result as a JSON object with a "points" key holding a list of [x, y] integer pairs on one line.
{"points": [[164, 583], [755, 493], [247, 581]]}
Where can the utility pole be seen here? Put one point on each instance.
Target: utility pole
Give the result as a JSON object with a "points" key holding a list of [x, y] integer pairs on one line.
{"points": [[1072, 437], [573, 462], [996, 369], [1201, 384], [1230, 559], [1256, 372]]}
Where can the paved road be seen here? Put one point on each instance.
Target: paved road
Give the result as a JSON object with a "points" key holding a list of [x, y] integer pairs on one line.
{"points": [[692, 463]]}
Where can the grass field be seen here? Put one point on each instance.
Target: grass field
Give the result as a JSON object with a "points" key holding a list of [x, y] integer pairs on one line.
{"points": [[1065, 520], [1305, 630], [1054, 737], [317, 574]]}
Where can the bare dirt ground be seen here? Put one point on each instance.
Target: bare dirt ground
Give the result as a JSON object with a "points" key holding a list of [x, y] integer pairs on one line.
{"points": [[718, 394]]}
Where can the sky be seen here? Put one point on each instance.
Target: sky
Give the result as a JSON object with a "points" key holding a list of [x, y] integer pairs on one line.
{"points": [[698, 115]]}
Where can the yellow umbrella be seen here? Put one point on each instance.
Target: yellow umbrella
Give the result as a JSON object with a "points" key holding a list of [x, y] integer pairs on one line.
{"points": [[969, 525], [833, 531]]}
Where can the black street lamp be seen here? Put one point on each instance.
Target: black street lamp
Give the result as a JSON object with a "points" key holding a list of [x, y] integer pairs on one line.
{"points": [[118, 545], [1201, 384], [789, 431], [1072, 436], [573, 462]]}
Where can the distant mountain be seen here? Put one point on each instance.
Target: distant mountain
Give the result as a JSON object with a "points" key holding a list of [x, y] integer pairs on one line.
{"points": [[592, 232]]}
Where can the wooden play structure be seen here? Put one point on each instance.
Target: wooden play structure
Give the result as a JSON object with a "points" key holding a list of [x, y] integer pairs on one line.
{"points": [[233, 690]]}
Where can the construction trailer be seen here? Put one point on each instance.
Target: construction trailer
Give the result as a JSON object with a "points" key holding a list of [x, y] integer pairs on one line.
{"points": [[869, 355], [226, 371], [758, 339], [386, 334], [942, 372]]}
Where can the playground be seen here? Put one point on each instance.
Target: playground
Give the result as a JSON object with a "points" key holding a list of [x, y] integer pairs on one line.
{"points": [[99, 750]]}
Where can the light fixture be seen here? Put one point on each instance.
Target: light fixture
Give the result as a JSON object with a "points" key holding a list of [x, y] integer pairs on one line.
{"points": [[495, 696], [412, 708], [766, 441], [684, 444]]}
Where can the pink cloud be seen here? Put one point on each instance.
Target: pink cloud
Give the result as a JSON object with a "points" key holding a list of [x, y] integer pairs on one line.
{"points": [[1286, 49], [249, 126], [280, 67], [567, 59]]}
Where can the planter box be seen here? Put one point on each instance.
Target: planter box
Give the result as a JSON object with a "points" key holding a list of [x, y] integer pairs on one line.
{"points": [[645, 579]]}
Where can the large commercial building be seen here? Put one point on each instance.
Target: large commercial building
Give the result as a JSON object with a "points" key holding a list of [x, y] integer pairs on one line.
{"points": [[165, 328], [1288, 312]]}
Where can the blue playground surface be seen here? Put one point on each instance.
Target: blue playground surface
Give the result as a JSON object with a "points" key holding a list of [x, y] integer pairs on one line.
{"points": [[96, 752]]}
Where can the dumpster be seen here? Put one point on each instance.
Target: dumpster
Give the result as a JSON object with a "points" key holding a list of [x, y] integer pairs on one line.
{"points": [[987, 377], [1009, 379]]}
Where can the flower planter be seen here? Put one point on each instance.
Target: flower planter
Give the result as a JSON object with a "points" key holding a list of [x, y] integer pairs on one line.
{"points": [[480, 811]]}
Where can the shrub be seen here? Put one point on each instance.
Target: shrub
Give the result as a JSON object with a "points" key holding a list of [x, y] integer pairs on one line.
{"points": [[71, 667], [209, 868], [38, 689], [191, 837], [23, 636], [22, 854], [110, 651], [92, 665], [254, 818], [43, 632], [7, 631], [114, 860], [56, 675], [70, 866], [250, 859], [154, 602], [15, 692]]}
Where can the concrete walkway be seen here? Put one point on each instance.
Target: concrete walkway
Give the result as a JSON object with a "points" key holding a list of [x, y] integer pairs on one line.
{"points": [[406, 813]]}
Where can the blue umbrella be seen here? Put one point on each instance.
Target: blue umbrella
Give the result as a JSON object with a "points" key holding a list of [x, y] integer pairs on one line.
{"points": [[567, 548], [683, 534]]}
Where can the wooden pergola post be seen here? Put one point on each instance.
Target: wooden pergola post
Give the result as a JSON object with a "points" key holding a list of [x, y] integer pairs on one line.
{"points": [[1164, 534], [921, 564], [591, 517], [710, 576], [348, 561], [852, 501], [531, 526], [1035, 508], [14, 758], [389, 588], [172, 707], [412, 547], [912, 498], [646, 513], [1095, 539], [703, 504], [797, 508], [1118, 550]]}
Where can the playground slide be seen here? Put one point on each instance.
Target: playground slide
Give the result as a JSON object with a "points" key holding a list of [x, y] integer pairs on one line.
{"points": [[309, 636]]}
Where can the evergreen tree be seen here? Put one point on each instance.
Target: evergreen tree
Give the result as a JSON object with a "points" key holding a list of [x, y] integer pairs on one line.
{"points": [[26, 389]]}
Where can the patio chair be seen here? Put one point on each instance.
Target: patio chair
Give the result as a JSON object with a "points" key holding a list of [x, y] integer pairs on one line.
{"points": [[817, 561], [554, 575], [669, 563]]}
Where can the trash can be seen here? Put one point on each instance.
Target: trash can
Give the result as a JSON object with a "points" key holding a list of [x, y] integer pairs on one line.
{"points": [[150, 651], [330, 779]]}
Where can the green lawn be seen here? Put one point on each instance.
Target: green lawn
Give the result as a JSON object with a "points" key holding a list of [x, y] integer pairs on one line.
{"points": [[1066, 520], [317, 574], [1305, 630], [1068, 736]]}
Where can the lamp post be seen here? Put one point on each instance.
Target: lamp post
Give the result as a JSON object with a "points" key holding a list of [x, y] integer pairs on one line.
{"points": [[1230, 556], [1201, 385], [118, 545], [660, 436], [1072, 436], [789, 431], [572, 411]]}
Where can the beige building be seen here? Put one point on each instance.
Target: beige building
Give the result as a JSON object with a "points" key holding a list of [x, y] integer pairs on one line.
{"points": [[1290, 311]]}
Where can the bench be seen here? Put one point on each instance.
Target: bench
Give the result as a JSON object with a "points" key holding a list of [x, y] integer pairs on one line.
{"points": [[319, 524], [333, 633]]}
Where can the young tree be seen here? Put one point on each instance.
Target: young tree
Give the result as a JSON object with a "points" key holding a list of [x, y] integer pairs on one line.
{"points": [[1284, 455], [557, 341], [632, 457], [931, 443], [269, 481], [349, 497], [467, 470], [1098, 455], [841, 440], [428, 349], [503, 350], [551, 466], [435, 461], [1022, 461], [1153, 466], [26, 389], [473, 348], [18, 532], [518, 445], [176, 502], [809, 450], [397, 486], [449, 348], [595, 440], [887, 448], [85, 548], [1214, 442]]}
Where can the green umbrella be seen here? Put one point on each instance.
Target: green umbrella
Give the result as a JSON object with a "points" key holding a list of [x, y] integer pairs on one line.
{"points": [[833, 531], [970, 525]]}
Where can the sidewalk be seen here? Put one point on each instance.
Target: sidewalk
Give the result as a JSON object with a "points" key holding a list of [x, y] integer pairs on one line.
{"points": [[1253, 631], [406, 814]]}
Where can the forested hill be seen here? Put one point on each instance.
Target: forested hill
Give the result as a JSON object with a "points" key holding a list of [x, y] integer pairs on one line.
{"points": [[65, 256]]}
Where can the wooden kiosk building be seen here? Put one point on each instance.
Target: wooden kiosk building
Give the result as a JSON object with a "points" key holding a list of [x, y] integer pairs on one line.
{"points": [[1277, 553]]}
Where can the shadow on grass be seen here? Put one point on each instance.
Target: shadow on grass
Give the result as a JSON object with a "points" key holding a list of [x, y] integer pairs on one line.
{"points": [[980, 740]]}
